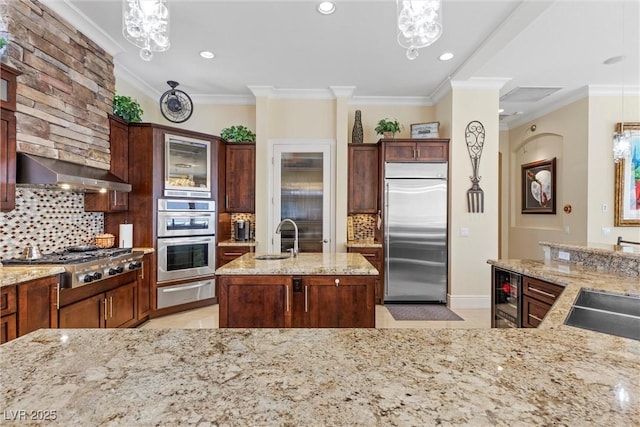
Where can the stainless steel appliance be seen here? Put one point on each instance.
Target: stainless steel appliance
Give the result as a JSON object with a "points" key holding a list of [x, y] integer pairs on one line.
{"points": [[507, 304], [87, 264], [242, 230], [185, 293], [187, 169], [415, 230], [186, 218], [186, 240]]}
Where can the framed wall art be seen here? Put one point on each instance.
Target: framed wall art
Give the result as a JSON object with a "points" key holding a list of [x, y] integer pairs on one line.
{"points": [[539, 187], [425, 130], [627, 182]]}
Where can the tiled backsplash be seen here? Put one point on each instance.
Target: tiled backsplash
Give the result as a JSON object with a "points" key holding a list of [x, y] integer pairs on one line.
{"points": [[364, 226], [243, 217], [51, 219]]}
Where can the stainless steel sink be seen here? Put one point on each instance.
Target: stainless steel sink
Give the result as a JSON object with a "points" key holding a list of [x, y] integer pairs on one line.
{"points": [[608, 313], [273, 256]]}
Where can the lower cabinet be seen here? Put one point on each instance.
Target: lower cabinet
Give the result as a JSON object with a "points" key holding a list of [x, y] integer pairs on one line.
{"points": [[115, 308], [145, 294], [254, 302], [538, 297], [297, 301], [38, 304], [8, 318], [375, 257], [335, 302]]}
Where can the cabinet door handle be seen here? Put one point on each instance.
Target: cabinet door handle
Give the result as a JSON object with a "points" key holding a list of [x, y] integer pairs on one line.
{"points": [[535, 317], [226, 201], [368, 255], [111, 307], [538, 291], [306, 298], [105, 309], [142, 271], [232, 254], [337, 281], [58, 296], [286, 290], [115, 198], [418, 151]]}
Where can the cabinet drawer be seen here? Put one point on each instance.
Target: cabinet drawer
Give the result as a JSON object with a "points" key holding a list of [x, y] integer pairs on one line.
{"points": [[541, 290], [533, 312], [226, 254], [8, 300]]}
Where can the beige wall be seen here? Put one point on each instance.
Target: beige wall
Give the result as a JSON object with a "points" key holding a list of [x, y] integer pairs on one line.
{"points": [[604, 113], [470, 275]]}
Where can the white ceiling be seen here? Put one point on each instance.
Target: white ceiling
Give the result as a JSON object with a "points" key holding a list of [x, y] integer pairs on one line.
{"points": [[290, 46]]}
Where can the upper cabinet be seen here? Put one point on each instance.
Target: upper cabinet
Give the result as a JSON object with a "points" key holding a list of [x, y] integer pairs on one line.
{"points": [[240, 177], [416, 150], [8, 83], [114, 201], [363, 178]]}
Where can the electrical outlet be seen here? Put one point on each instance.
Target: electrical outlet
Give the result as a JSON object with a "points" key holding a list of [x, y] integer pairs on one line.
{"points": [[605, 207], [606, 231], [564, 255], [567, 230], [464, 232]]}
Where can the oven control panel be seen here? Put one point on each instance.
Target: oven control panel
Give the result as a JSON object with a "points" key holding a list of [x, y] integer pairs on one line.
{"points": [[103, 270]]}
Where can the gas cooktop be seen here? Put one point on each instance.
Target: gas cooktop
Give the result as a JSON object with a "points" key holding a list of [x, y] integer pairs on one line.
{"points": [[84, 265]]}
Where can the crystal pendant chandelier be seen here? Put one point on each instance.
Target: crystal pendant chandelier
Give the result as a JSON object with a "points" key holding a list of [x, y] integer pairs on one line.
{"points": [[145, 23], [419, 24], [621, 144]]}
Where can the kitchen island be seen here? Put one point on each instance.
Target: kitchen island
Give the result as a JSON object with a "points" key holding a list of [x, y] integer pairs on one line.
{"points": [[310, 290], [144, 377]]}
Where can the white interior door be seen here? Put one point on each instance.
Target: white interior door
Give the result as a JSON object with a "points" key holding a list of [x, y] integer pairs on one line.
{"points": [[303, 190]]}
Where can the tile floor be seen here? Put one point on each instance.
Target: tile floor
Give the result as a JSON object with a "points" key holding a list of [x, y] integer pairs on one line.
{"points": [[207, 317]]}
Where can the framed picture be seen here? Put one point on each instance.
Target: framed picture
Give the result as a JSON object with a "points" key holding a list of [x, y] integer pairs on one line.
{"points": [[425, 130], [627, 186], [539, 187]]}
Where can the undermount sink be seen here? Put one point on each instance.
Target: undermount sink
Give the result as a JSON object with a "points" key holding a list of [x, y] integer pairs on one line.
{"points": [[607, 313], [273, 256]]}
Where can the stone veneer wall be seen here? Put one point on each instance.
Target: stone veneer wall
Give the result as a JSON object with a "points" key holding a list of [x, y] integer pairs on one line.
{"points": [[66, 88], [65, 93], [50, 219]]}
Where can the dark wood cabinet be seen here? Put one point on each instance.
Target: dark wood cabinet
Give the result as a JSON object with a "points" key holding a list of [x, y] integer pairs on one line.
{"points": [[254, 301], [113, 201], [38, 304], [8, 80], [537, 299], [8, 318], [115, 308], [412, 150], [145, 294], [336, 302], [363, 178], [240, 172], [226, 254], [376, 258]]}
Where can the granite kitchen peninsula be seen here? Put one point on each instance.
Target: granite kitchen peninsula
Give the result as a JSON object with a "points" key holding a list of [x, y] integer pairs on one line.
{"points": [[311, 290]]}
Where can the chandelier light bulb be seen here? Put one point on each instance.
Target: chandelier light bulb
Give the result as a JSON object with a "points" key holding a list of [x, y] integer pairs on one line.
{"points": [[621, 146]]}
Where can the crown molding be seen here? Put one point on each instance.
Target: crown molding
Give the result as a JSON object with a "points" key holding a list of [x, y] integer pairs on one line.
{"points": [[569, 98], [83, 24], [400, 101], [224, 99], [614, 90], [342, 91]]}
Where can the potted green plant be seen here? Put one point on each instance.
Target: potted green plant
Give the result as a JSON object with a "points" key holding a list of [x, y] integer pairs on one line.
{"points": [[127, 108], [388, 128], [238, 133], [3, 45]]}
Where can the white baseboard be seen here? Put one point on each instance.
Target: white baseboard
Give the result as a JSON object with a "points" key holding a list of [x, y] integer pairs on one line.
{"points": [[468, 301]]}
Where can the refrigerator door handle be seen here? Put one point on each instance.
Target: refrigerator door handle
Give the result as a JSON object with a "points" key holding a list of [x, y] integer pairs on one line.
{"points": [[386, 238]]}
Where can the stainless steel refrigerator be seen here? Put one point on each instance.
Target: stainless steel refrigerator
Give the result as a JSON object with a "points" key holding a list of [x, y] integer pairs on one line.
{"points": [[415, 229]]}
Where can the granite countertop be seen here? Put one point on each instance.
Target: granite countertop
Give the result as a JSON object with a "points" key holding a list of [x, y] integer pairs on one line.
{"points": [[232, 242], [303, 264], [144, 250], [204, 377], [11, 275], [598, 248], [363, 244], [573, 278]]}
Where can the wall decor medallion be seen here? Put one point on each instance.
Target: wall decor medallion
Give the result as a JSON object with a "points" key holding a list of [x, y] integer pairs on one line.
{"points": [[539, 187], [474, 137], [627, 181], [425, 130]]}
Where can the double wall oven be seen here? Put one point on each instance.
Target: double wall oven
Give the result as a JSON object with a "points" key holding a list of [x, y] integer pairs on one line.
{"points": [[186, 244]]}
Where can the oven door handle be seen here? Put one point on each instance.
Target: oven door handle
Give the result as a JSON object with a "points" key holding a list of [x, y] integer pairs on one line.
{"points": [[167, 241], [183, 288]]}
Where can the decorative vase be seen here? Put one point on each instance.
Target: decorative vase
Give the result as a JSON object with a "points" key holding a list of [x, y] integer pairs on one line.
{"points": [[357, 135]]}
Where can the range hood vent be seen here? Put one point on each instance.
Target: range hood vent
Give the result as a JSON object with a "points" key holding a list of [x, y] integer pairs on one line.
{"points": [[37, 171]]}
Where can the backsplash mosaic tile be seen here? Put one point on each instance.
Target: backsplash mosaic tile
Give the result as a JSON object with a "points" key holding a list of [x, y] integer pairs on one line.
{"points": [[243, 217], [51, 219], [364, 226]]}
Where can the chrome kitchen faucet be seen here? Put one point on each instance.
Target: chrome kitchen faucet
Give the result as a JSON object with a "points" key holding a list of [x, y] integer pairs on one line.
{"points": [[295, 239]]}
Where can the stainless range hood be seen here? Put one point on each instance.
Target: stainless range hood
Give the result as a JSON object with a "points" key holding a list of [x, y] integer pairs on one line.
{"points": [[38, 171]]}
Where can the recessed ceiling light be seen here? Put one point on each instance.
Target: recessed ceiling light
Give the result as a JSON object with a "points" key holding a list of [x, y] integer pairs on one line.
{"points": [[445, 56], [207, 55], [501, 110], [614, 60], [326, 7]]}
